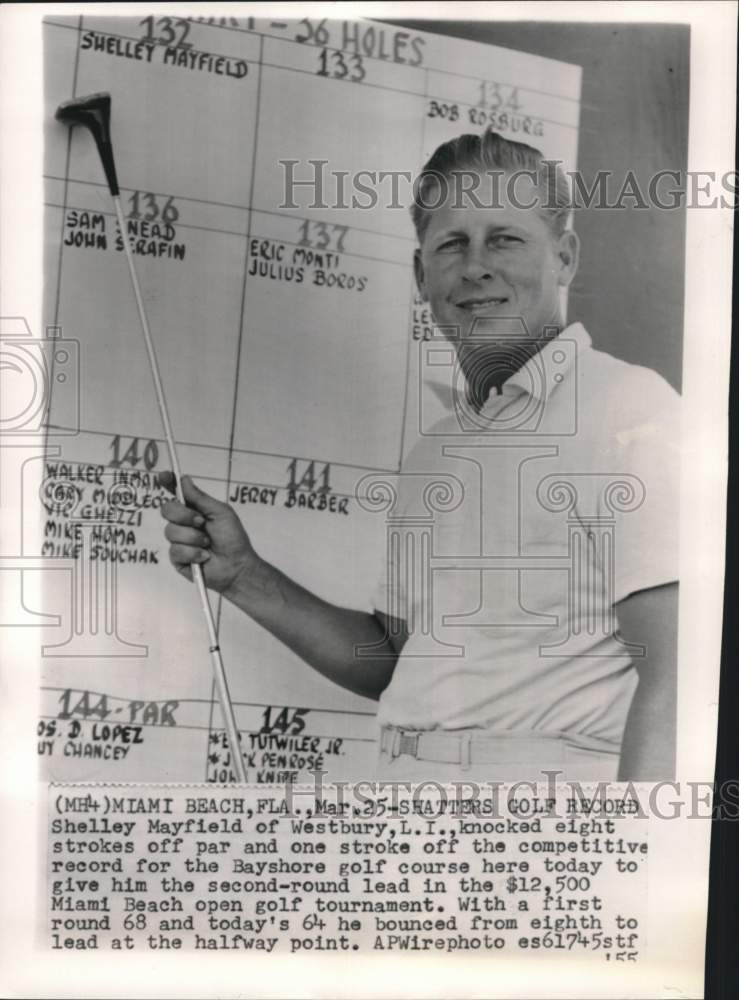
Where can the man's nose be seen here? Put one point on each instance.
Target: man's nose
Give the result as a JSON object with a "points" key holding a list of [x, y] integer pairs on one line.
{"points": [[477, 265]]}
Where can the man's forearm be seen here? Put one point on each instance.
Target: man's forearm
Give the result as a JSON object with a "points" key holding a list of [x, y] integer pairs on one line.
{"points": [[324, 635]]}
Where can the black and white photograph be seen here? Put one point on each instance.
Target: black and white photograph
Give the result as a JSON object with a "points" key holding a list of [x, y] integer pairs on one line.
{"points": [[364, 439], [374, 286]]}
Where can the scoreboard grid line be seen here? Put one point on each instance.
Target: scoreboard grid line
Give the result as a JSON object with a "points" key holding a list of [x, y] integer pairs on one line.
{"points": [[240, 342], [198, 701], [411, 308], [220, 447], [241, 236], [66, 186], [188, 727], [364, 83], [280, 214], [392, 27]]}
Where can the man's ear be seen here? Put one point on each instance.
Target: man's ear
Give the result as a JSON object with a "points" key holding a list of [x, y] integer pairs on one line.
{"points": [[568, 251], [419, 273]]}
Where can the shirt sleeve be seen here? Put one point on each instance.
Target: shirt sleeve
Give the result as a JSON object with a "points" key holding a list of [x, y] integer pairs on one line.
{"points": [[641, 493]]}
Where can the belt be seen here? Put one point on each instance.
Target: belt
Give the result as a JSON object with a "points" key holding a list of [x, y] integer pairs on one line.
{"points": [[469, 746]]}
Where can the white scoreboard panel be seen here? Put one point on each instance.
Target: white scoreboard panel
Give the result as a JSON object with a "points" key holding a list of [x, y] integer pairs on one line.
{"points": [[288, 335]]}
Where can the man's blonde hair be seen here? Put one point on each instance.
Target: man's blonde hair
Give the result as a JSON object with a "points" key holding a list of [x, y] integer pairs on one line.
{"points": [[491, 153]]}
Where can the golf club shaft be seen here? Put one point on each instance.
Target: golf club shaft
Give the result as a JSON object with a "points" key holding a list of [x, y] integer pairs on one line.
{"points": [[237, 761]]}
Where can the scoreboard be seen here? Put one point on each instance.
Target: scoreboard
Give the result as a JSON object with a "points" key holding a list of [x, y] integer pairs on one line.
{"points": [[266, 170]]}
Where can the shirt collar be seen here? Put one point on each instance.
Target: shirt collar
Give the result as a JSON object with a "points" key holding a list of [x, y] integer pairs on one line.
{"points": [[542, 373]]}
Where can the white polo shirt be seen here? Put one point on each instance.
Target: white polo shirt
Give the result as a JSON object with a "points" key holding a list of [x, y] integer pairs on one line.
{"points": [[567, 482]]}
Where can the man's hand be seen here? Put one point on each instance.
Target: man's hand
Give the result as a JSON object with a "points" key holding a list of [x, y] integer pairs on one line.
{"points": [[208, 532]]}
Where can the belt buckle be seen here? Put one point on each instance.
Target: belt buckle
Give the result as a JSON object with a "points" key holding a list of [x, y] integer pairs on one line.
{"points": [[407, 743]]}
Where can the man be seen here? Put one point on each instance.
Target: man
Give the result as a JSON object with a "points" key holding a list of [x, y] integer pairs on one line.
{"points": [[531, 670]]}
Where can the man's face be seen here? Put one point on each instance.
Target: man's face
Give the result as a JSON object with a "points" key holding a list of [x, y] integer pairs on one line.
{"points": [[494, 263]]}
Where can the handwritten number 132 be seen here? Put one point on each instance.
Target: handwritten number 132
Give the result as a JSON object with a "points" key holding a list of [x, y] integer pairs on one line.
{"points": [[167, 34]]}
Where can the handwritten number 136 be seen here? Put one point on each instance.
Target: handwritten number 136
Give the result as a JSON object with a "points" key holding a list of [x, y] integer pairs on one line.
{"points": [[141, 200]]}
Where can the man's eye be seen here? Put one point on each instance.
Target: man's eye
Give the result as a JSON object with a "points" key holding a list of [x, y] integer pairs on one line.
{"points": [[506, 239], [452, 244]]}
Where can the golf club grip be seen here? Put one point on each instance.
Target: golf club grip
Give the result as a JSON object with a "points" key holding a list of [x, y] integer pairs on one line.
{"points": [[93, 112], [106, 155]]}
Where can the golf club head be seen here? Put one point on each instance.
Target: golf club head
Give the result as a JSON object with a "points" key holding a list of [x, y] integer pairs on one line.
{"points": [[94, 113]]}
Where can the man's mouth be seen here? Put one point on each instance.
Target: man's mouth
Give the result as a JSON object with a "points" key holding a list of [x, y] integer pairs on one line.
{"points": [[480, 305]]}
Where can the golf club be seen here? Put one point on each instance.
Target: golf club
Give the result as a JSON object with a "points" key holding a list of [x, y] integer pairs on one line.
{"points": [[94, 113]]}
